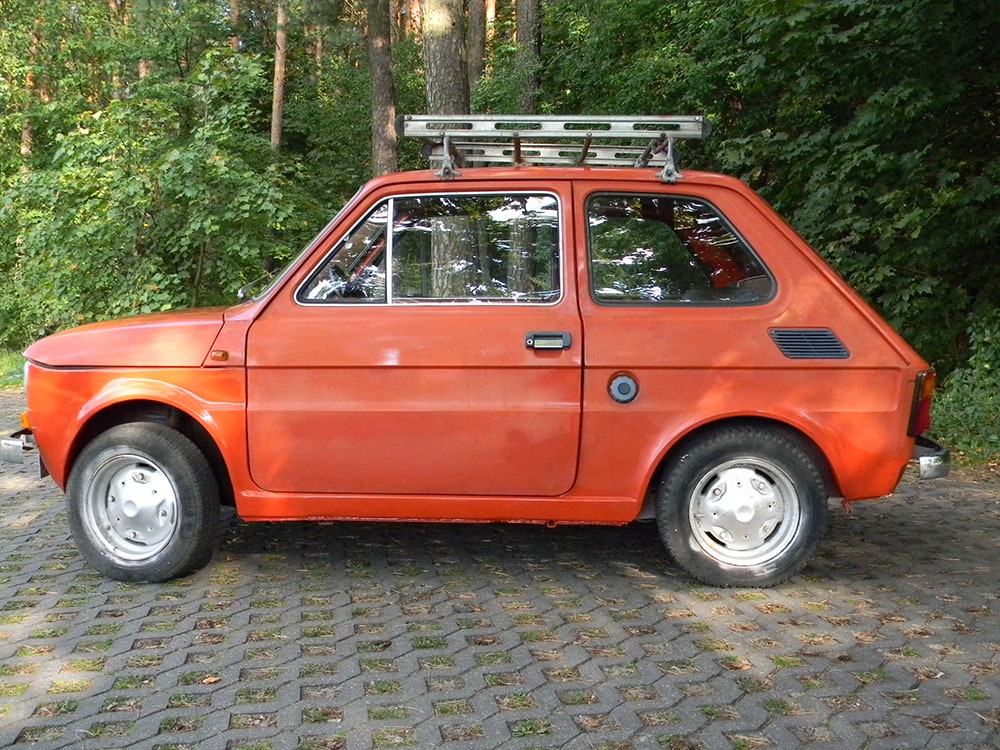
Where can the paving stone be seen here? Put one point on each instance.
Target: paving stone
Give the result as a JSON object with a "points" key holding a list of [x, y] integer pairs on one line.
{"points": [[344, 636]]}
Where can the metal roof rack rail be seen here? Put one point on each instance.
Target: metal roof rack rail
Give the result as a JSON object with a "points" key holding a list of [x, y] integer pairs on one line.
{"points": [[456, 140]]}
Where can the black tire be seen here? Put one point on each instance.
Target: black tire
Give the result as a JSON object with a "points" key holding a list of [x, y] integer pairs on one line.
{"points": [[742, 506], [143, 504]]}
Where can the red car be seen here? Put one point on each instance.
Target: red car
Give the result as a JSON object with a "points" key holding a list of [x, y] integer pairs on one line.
{"points": [[582, 344]]}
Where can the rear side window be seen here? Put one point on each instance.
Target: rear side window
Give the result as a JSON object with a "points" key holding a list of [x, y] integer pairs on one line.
{"points": [[650, 249]]}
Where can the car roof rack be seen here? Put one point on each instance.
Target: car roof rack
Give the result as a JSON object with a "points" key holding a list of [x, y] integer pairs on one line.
{"points": [[452, 141]]}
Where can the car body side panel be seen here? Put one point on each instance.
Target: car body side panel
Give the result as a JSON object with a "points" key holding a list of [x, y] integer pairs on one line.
{"points": [[675, 402], [695, 365], [433, 398], [259, 505]]}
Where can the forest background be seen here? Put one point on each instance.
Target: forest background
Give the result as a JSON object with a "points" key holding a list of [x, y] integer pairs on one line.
{"points": [[158, 154]]}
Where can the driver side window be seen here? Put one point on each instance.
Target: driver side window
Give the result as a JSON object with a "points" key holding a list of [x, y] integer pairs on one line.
{"points": [[445, 248]]}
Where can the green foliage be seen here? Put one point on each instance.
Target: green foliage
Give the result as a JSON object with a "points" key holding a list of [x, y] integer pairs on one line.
{"points": [[968, 410], [136, 214], [330, 125], [500, 87]]}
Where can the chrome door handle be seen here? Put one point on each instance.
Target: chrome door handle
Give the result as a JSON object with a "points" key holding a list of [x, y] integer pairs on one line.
{"points": [[548, 340]]}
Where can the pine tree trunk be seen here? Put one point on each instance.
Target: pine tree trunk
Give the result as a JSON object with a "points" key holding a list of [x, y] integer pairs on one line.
{"points": [[235, 42], [476, 43], [383, 88], [31, 85], [280, 57], [444, 57], [409, 17], [529, 48]]}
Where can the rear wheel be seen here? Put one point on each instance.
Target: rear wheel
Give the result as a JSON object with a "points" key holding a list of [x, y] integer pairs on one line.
{"points": [[742, 506], [143, 503]]}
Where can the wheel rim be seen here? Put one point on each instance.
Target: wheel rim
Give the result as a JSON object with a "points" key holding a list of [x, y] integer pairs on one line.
{"points": [[745, 512], [130, 508]]}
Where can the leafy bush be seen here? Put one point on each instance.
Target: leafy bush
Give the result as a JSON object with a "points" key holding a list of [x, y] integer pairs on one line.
{"points": [[139, 211], [967, 411]]}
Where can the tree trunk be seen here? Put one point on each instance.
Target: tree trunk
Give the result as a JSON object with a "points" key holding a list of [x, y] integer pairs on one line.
{"points": [[444, 57], [529, 48], [235, 41], [383, 88], [447, 94], [31, 86], [318, 52], [280, 57], [491, 20], [409, 17], [476, 43]]}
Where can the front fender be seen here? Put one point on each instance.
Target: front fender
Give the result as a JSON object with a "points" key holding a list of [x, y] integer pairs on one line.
{"points": [[67, 408]]}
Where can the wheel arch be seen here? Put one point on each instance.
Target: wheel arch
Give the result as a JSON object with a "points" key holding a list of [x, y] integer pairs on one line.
{"points": [[158, 412], [698, 432], [743, 503]]}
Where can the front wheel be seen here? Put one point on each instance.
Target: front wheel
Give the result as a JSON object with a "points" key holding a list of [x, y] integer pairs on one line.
{"points": [[143, 503], [742, 506]]}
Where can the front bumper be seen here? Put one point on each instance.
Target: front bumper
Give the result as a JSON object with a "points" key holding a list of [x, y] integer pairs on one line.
{"points": [[933, 460], [13, 448]]}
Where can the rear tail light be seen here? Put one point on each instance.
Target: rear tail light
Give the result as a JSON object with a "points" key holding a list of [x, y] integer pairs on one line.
{"points": [[920, 412]]}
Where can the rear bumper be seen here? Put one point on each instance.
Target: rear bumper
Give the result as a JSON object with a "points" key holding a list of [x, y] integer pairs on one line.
{"points": [[934, 461]]}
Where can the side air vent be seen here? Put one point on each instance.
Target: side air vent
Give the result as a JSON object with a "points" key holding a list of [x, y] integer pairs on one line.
{"points": [[809, 343]]}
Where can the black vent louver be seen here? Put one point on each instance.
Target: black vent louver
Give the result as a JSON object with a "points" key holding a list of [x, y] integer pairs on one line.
{"points": [[809, 343]]}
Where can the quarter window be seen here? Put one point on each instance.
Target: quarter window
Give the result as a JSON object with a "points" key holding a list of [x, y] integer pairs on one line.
{"points": [[647, 249], [446, 248]]}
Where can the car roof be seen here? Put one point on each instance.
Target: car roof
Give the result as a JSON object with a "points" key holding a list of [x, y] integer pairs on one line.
{"points": [[542, 174]]}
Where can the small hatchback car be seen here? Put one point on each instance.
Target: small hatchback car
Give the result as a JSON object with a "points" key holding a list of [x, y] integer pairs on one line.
{"points": [[533, 342]]}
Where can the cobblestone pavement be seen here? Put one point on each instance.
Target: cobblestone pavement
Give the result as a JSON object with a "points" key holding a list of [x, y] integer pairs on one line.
{"points": [[363, 636]]}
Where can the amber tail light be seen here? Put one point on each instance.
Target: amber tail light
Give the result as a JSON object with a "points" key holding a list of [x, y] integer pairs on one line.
{"points": [[920, 412]]}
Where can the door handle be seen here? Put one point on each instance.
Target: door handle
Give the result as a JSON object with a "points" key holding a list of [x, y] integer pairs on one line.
{"points": [[548, 340]]}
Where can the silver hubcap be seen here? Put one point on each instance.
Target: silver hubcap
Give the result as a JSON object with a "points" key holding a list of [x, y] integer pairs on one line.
{"points": [[745, 512], [131, 508]]}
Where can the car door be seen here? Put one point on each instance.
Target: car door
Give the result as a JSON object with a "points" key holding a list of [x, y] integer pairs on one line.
{"points": [[435, 349], [677, 306]]}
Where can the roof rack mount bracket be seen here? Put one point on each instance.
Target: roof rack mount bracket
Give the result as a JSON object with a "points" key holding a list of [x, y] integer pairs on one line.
{"points": [[448, 169], [670, 173]]}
